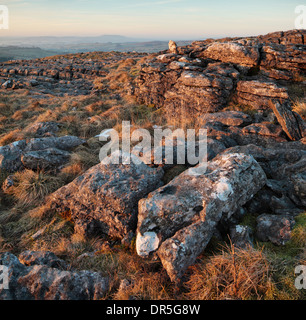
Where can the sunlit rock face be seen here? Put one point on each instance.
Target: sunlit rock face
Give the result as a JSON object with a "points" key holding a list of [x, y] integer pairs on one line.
{"points": [[179, 219]]}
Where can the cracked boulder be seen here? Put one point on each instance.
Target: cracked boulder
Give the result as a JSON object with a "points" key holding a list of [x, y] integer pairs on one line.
{"points": [[179, 219]]}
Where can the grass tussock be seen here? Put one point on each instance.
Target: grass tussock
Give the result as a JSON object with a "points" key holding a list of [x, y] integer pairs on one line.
{"points": [[30, 188], [232, 274]]}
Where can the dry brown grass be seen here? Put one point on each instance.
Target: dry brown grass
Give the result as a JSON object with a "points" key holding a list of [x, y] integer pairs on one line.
{"points": [[30, 188], [233, 274], [11, 136], [299, 106]]}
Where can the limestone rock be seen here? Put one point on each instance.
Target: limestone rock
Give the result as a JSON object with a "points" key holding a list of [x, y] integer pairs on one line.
{"points": [[233, 52], [241, 236], [31, 258], [276, 229], [40, 282], [172, 47], [258, 94], [287, 120], [43, 128], [179, 219], [264, 129], [229, 118], [45, 159], [45, 152], [104, 199]]}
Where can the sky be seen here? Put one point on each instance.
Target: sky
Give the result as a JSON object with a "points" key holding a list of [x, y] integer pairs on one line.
{"points": [[150, 19]]}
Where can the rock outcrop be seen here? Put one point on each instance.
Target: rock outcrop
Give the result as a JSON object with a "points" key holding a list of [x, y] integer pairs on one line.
{"points": [[206, 76], [179, 219], [60, 75]]}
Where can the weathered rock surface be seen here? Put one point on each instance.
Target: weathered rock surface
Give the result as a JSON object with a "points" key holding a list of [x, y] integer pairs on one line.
{"points": [[276, 229], [10, 156], [179, 219], [40, 282], [241, 236], [288, 120], [31, 258], [172, 47], [37, 153], [264, 129], [43, 128], [258, 94], [104, 199], [45, 159], [233, 52], [284, 165], [228, 118]]}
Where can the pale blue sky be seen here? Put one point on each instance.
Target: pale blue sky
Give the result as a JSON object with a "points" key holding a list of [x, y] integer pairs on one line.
{"points": [[158, 19]]}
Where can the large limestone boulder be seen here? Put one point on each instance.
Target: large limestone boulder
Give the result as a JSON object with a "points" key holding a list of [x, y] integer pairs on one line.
{"points": [[104, 200], [199, 92], [179, 219], [284, 165]]}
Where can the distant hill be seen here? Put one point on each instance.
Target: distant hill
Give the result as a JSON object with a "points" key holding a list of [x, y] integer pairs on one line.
{"points": [[53, 41], [149, 47], [23, 53], [45, 48]]}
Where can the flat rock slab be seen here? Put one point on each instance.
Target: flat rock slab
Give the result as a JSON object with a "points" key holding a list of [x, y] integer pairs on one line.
{"points": [[179, 219], [259, 94], [233, 52], [228, 118]]}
